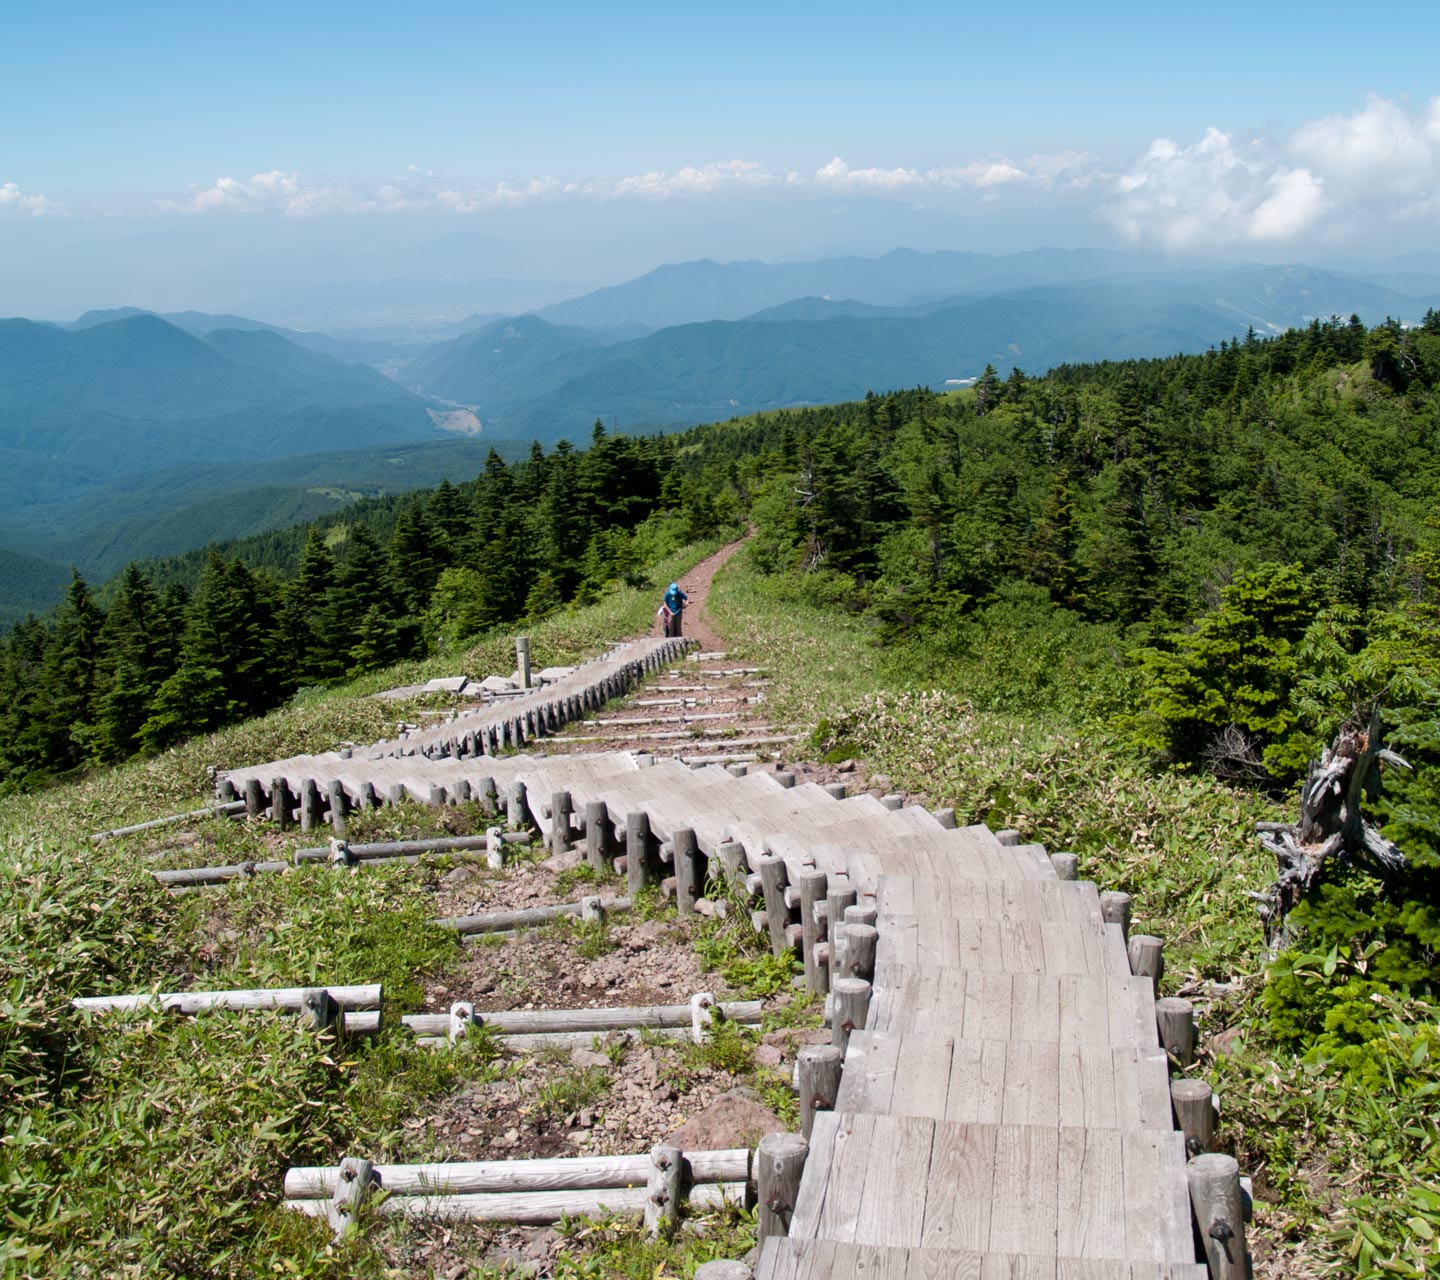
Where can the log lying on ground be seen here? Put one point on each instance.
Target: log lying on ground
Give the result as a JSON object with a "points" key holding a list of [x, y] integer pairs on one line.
{"points": [[231, 809], [535, 1208], [365, 996], [1332, 823], [395, 849], [583, 1173], [191, 877], [518, 1021], [520, 1042], [496, 921]]}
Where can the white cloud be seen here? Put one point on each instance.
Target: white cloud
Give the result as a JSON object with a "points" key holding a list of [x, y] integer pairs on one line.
{"points": [[1339, 171], [11, 197], [709, 179]]}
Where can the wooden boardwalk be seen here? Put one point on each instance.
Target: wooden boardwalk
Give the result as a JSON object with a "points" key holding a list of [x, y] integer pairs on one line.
{"points": [[1004, 1105]]}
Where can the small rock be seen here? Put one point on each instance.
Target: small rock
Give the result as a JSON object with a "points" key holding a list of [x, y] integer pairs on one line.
{"points": [[845, 766], [650, 930], [769, 1055], [586, 1118], [458, 875], [880, 782], [732, 1120], [583, 1057]]}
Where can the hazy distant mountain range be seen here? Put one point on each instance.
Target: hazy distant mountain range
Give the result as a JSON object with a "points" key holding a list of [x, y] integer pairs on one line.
{"points": [[126, 433]]}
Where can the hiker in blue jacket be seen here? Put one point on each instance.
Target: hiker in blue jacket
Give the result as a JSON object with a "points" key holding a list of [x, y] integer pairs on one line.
{"points": [[675, 605]]}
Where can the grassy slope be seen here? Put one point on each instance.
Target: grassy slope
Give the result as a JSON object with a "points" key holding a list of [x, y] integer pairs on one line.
{"points": [[163, 1151], [1331, 1161]]}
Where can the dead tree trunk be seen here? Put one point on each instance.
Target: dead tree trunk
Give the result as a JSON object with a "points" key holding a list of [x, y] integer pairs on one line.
{"points": [[1332, 823]]}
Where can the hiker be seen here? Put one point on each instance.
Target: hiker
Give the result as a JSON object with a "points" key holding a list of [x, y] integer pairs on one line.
{"points": [[673, 608]]}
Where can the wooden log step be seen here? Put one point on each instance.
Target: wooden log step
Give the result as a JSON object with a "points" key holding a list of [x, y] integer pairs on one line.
{"points": [[1050, 1083], [197, 876], [1067, 1192], [784, 1258], [534, 1208], [228, 809], [1003, 946], [365, 996], [514, 1021], [526, 1041], [496, 921], [581, 1173]]}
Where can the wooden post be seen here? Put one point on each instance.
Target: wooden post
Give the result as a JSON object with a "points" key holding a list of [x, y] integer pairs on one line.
{"points": [[488, 796], [494, 848], [779, 1163], [662, 1201], [226, 791], [516, 814], [1176, 1021], [1067, 866], [945, 817], [772, 884], [352, 1189], [1194, 1103], [1115, 908], [702, 1015], [894, 801], [522, 659], [438, 797], [597, 835], [309, 805], [858, 951], [637, 850], [462, 1015], [1008, 837], [785, 778], [819, 1074], [592, 909], [339, 806], [1219, 1207], [836, 790], [561, 807], [732, 857], [688, 874], [814, 885], [862, 913], [280, 804], [1147, 958], [839, 900], [462, 791], [254, 799], [319, 1008], [850, 1001]]}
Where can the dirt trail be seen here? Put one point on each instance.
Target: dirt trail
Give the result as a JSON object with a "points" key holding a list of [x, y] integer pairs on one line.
{"points": [[696, 585]]}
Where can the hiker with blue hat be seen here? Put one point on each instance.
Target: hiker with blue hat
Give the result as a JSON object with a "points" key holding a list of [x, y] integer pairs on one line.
{"points": [[672, 608]]}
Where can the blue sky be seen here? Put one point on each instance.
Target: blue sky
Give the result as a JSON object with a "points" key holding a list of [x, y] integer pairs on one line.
{"points": [[578, 143]]}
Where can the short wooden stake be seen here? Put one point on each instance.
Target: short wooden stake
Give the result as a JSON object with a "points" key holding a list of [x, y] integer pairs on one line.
{"points": [[773, 877], [1008, 837], [1176, 1021], [1194, 1103], [839, 900], [309, 805], [1115, 908], [862, 913], [495, 848], [489, 797], [339, 806], [836, 790], [522, 659], [819, 1075], [662, 1201], [351, 1191], [1147, 958], [561, 807], [438, 796], [592, 909], [894, 801], [254, 799], [814, 885], [1219, 1208], [858, 952], [850, 1002], [945, 817], [1067, 866], [732, 858], [689, 876], [639, 852], [517, 815], [597, 835], [319, 1008], [779, 1164], [462, 1016], [702, 1015], [280, 804], [784, 777]]}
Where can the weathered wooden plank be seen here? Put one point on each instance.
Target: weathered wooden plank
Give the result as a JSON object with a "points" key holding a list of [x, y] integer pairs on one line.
{"points": [[1091, 1194], [854, 1142], [1157, 1205], [892, 1205], [872, 1064], [976, 1094], [959, 1205], [1032, 1085], [922, 1076], [815, 1185], [1025, 1195]]}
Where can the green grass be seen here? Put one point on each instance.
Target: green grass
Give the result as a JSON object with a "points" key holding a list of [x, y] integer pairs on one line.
{"points": [[158, 1146], [1347, 1174]]}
